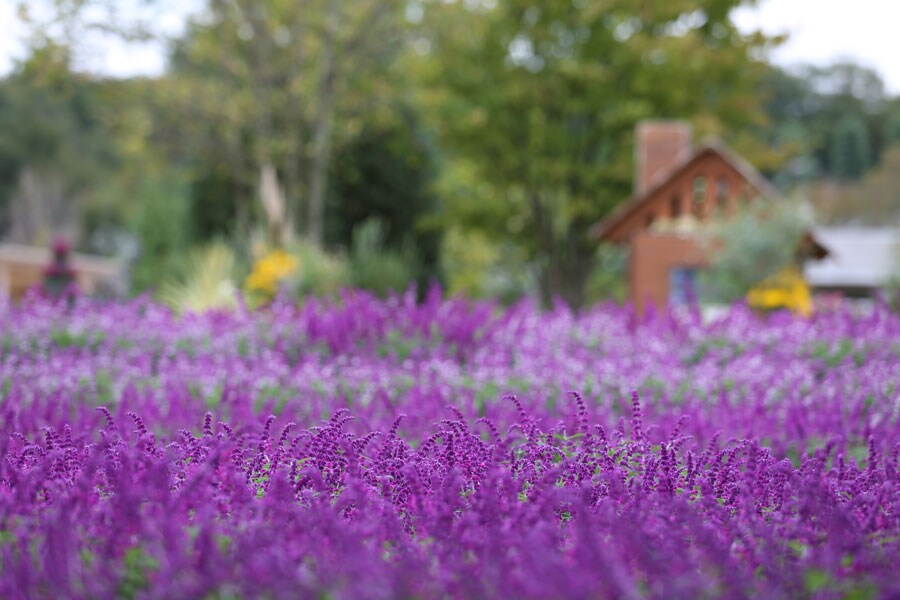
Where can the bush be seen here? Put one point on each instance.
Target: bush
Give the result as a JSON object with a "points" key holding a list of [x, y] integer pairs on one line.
{"points": [[375, 267], [162, 230], [478, 267], [319, 273], [754, 244], [609, 279]]}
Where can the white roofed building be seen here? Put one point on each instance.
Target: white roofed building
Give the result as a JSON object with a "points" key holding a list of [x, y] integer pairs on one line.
{"points": [[860, 261]]}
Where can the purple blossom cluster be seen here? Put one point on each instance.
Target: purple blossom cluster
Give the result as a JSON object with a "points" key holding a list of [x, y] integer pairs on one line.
{"points": [[366, 448]]}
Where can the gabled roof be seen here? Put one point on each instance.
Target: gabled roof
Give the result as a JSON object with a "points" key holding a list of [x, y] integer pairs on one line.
{"points": [[687, 158], [859, 257]]}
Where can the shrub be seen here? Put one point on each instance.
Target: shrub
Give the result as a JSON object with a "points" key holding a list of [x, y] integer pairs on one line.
{"points": [[375, 267], [750, 246]]}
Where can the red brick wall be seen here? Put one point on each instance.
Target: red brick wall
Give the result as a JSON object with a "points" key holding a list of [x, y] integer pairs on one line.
{"points": [[658, 145], [679, 191], [652, 258]]}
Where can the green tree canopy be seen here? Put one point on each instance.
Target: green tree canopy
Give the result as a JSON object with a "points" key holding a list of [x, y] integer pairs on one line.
{"points": [[275, 78], [52, 130], [386, 172], [540, 99], [850, 148], [807, 105], [892, 129]]}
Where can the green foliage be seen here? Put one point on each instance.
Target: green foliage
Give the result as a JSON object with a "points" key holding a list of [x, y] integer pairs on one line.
{"points": [[806, 107], [850, 149], [51, 123], [892, 129], [386, 172], [296, 77], [376, 267], [755, 243], [319, 273], [214, 203], [540, 101], [608, 280], [161, 226], [479, 267]]}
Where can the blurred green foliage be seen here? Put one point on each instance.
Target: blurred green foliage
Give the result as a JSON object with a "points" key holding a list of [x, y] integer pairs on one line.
{"points": [[850, 149], [162, 226], [319, 273], [809, 108], [469, 142], [479, 267], [385, 174], [375, 266], [51, 121], [746, 252]]}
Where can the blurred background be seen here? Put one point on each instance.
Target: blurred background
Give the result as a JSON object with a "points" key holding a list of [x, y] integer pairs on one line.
{"points": [[196, 149]]}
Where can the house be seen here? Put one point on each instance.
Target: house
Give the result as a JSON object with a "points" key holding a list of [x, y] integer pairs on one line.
{"points": [[22, 268], [862, 260], [677, 187]]}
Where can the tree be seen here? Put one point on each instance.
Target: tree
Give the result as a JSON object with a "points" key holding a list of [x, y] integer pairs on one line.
{"points": [[54, 148], [892, 129], [386, 173], [807, 104], [873, 201], [286, 69], [850, 150], [540, 99]]}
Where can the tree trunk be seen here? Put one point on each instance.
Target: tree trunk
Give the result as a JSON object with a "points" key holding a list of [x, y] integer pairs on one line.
{"points": [[564, 279], [569, 261], [323, 126]]}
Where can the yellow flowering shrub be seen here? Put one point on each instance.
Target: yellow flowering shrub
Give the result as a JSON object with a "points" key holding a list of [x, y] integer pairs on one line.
{"points": [[786, 289], [269, 272]]}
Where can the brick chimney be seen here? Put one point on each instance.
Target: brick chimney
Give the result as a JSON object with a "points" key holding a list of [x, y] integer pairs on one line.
{"points": [[657, 146]]}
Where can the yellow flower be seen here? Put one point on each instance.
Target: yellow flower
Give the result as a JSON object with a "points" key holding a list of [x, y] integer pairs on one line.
{"points": [[269, 271], [785, 289]]}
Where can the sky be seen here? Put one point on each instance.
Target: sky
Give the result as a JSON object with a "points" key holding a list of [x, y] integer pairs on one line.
{"points": [[821, 31]]}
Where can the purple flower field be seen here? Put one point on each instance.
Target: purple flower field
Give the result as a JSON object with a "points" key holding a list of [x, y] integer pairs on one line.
{"points": [[370, 448]]}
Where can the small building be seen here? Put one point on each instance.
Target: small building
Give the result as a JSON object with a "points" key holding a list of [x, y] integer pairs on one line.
{"points": [[22, 268], [862, 260], [677, 187]]}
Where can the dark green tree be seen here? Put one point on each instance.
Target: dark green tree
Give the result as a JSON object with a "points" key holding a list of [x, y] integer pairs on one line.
{"points": [[805, 106], [850, 148], [892, 130], [386, 173]]}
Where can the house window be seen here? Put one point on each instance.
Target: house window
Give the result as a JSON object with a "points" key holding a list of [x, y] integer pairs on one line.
{"points": [[682, 286], [721, 190], [675, 206], [722, 200], [700, 197]]}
